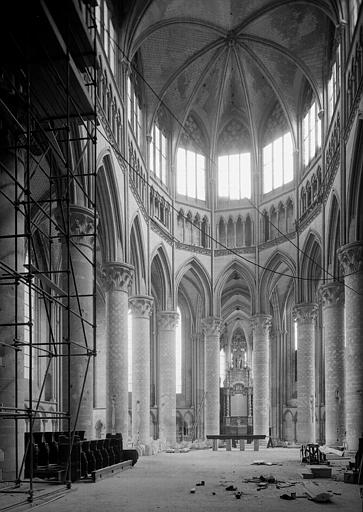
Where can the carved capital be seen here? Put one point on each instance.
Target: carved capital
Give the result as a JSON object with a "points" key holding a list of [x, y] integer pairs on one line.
{"points": [[82, 224], [141, 305], [211, 326], [351, 258], [305, 312], [261, 324], [332, 294], [168, 320], [117, 276]]}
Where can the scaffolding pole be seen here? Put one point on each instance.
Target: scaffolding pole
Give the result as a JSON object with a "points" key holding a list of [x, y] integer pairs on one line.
{"points": [[48, 185]]}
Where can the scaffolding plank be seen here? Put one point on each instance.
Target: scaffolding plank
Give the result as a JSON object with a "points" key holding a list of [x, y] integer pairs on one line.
{"points": [[79, 39]]}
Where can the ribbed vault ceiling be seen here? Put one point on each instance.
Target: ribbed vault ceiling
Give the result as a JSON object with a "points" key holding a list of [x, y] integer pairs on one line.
{"points": [[226, 64]]}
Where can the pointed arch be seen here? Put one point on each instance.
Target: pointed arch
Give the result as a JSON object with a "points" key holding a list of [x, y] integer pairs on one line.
{"points": [[198, 282], [355, 191], [278, 262], [248, 231], [109, 205], [245, 274], [333, 237], [222, 231], [161, 284], [230, 232], [311, 267], [239, 231], [137, 257]]}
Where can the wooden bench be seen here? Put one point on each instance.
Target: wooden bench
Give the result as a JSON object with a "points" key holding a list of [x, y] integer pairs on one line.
{"points": [[241, 438]]}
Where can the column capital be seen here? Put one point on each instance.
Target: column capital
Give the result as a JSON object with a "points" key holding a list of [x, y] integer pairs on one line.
{"points": [[117, 276], [168, 320], [305, 312], [351, 258], [81, 224], [332, 294], [211, 326], [261, 322], [141, 305]]}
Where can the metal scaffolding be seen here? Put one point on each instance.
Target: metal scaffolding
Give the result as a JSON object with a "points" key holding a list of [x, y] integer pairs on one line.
{"points": [[48, 185]]}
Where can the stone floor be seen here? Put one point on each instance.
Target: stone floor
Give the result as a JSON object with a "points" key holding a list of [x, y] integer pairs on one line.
{"points": [[164, 482]]}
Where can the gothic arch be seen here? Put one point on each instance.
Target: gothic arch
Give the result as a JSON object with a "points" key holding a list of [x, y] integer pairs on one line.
{"points": [[197, 276], [311, 267], [161, 283], [110, 227], [246, 275], [333, 237], [355, 191], [278, 262], [137, 257]]}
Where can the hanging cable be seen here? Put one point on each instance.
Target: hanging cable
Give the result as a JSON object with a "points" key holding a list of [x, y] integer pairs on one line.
{"points": [[210, 237]]}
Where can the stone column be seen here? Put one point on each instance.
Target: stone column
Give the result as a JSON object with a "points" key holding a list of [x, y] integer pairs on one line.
{"points": [[305, 316], [351, 259], [201, 389], [141, 311], [261, 325], [211, 327], [118, 279], [80, 332], [332, 295], [11, 309], [167, 321]]}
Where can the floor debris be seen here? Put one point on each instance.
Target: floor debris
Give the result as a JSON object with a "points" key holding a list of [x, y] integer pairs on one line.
{"points": [[287, 497], [285, 484], [263, 463], [322, 497]]}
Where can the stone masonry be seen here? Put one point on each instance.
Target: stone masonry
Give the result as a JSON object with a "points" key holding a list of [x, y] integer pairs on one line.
{"points": [[80, 331], [141, 310], [167, 321], [351, 258], [211, 327], [305, 316], [332, 295], [261, 325], [118, 279]]}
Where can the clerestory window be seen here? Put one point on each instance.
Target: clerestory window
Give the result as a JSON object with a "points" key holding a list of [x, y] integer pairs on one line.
{"points": [[106, 30], [134, 111], [311, 128], [333, 83], [158, 154], [234, 176], [191, 174], [278, 163]]}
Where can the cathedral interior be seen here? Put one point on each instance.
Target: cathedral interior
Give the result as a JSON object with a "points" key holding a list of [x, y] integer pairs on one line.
{"points": [[181, 222]]}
